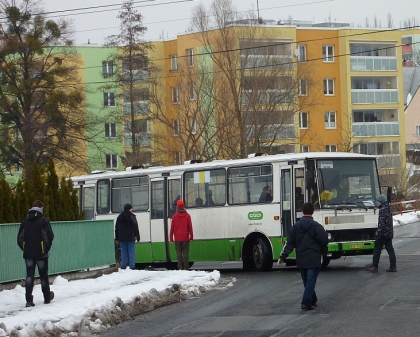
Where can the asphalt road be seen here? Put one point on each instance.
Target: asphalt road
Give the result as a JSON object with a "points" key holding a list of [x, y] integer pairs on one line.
{"points": [[351, 301]]}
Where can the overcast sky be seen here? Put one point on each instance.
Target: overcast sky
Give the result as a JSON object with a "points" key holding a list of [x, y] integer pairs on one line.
{"points": [[167, 18]]}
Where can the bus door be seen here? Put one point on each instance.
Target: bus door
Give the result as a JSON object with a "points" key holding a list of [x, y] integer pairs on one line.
{"points": [[165, 192], [291, 195], [87, 200]]}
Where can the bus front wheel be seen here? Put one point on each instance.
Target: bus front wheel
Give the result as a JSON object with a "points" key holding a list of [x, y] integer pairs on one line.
{"points": [[261, 255]]}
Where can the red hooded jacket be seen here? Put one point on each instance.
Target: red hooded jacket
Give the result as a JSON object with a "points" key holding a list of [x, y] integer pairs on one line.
{"points": [[181, 226]]}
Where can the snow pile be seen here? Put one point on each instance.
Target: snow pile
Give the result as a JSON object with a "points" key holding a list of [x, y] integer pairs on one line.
{"points": [[83, 307]]}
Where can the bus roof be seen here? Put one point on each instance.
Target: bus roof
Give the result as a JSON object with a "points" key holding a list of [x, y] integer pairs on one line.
{"points": [[265, 159]]}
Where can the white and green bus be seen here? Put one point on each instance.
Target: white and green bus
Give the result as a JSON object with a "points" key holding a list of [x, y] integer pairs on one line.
{"points": [[231, 219]]}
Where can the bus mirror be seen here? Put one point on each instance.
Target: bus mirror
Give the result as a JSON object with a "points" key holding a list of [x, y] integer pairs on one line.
{"points": [[310, 179]]}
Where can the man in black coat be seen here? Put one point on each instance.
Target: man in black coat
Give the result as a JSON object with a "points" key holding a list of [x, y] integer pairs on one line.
{"points": [[309, 239], [126, 232], [35, 238], [383, 236]]}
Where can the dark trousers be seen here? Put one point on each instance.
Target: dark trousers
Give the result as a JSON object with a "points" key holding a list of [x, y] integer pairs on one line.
{"points": [[182, 248], [42, 265], [309, 277], [379, 243]]}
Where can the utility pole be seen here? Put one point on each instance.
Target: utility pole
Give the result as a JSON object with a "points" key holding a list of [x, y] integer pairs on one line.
{"points": [[258, 12]]}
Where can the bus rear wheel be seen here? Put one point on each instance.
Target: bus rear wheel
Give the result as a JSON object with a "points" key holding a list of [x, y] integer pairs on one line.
{"points": [[261, 255]]}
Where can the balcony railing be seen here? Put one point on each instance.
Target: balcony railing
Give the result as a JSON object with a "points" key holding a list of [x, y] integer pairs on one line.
{"points": [[140, 107], [376, 129], [371, 96], [143, 139], [364, 63]]}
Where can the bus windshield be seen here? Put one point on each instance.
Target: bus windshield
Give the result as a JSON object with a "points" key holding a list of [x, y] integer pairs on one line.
{"points": [[350, 182]]}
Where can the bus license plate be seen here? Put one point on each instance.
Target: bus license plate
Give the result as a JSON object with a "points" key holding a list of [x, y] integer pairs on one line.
{"points": [[356, 246]]}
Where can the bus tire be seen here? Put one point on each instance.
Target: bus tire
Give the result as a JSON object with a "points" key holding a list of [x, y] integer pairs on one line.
{"points": [[325, 261], [261, 254]]}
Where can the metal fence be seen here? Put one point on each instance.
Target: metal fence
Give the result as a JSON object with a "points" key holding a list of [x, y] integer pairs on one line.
{"points": [[77, 245]]}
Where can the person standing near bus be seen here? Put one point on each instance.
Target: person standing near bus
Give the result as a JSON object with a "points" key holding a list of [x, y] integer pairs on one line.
{"points": [[383, 236], [309, 239], [35, 238], [181, 233], [126, 232]]}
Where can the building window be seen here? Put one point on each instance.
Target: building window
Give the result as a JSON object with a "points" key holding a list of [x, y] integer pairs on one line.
{"points": [[301, 53], [107, 68], [328, 53], [190, 57], [303, 87], [178, 157], [328, 86], [331, 148], [109, 99], [193, 125], [417, 130], [175, 95], [303, 120], [110, 130], [304, 148], [330, 122], [192, 91], [177, 127], [174, 62], [111, 161]]}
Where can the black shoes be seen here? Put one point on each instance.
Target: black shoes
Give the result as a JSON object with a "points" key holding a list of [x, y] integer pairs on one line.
{"points": [[372, 269], [29, 304], [392, 269], [46, 301], [307, 307]]}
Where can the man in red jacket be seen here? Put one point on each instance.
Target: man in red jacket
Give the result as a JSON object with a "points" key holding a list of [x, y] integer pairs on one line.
{"points": [[182, 233]]}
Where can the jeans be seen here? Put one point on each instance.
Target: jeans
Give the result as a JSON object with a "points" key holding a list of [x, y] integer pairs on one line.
{"points": [[309, 277], [379, 243], [42, 265], [127, 252], [182, 249]]}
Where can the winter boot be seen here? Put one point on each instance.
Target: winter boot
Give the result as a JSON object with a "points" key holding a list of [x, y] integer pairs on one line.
{"points": [[392, 269], [29, 301], [372, 269], [46, 301]]}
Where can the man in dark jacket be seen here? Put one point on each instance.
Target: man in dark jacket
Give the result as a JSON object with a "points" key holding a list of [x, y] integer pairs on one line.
{"points": [[35, 238], [309, 238], [126, 232], [383, 236], [181, 233]]}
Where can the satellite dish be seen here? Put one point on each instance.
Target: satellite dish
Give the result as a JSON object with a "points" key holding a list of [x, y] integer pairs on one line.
{"points": [[296, 52]]}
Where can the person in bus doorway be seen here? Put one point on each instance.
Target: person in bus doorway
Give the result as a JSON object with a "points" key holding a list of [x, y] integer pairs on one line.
{"points": [[35, 238], [309, 239], [383, 236], [126, 233], [299, 198], [181, 233], [266, 195]]}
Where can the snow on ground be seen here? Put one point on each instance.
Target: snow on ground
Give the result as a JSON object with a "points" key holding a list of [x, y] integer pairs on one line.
{"points": [[84, 307]]}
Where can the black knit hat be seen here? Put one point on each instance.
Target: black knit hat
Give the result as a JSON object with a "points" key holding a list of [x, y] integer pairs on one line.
{"points": [[127, 207]]}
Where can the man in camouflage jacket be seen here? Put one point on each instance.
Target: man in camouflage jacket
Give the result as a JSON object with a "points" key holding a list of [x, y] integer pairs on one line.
{"points": [[383, 236]]}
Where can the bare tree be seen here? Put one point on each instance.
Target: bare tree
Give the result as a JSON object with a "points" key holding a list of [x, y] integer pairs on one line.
{"points": [[132, 77], [389, 21], [255, 81], [41, 96]]}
